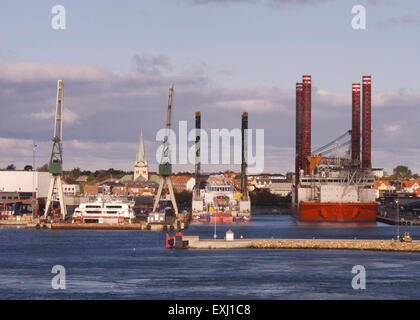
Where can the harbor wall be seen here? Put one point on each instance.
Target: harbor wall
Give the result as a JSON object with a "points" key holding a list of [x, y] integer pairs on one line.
{"points": [[194, 242]]}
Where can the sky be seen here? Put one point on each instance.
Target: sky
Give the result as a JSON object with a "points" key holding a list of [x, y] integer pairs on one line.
{"points": [[224, 57]]}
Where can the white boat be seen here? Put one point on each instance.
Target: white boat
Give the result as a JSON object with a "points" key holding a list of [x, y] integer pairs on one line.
{"points": [[220, 201], [104, 211]]}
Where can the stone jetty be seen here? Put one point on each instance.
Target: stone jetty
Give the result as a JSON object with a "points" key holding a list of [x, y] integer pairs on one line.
{"points": [[194, 242]]}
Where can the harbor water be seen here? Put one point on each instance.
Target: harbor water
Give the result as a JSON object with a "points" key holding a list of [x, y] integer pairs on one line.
{"points": [[136, 265]]}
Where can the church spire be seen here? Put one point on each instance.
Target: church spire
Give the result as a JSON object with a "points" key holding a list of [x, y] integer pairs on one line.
{"points": [[141, 153]]}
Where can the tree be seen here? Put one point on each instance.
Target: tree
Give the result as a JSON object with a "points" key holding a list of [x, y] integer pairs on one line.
{"points": [[91, 180], [402, 172], [263, 197], [74, 174], [102, 176], [11, 167], [44, 168], [183, 198], [28, 168]]}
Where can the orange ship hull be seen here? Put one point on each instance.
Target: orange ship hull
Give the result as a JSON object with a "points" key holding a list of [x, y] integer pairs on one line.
{"points": [[337, 212]]}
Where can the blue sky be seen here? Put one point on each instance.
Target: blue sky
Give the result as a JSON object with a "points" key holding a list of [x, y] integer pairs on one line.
{"points": [[224, 56]]}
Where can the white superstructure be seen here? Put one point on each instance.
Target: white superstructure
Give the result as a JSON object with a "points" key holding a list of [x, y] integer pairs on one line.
{"points": [[220, 195], [104, 211], [337, 186]]}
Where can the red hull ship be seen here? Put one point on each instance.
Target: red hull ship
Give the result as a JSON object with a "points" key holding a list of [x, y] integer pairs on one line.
{"points": [[337, 194], [337, 212], [220, 217], [332, 186]]}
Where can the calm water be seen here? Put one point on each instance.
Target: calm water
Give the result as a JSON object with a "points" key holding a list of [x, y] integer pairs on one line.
{"points": [[135, 265]]}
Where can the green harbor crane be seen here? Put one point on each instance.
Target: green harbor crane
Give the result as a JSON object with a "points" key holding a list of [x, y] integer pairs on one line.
{"points": [[165, 166], [55, 191]]}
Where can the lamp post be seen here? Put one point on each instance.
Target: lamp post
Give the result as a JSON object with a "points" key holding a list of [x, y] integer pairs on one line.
{"points": [[215, 233], [33, 180], [398, 220]]}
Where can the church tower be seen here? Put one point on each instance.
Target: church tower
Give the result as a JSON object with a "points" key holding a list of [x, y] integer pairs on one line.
{"points": [[141, 169]]}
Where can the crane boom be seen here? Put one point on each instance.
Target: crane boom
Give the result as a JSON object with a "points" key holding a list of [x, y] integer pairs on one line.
{"points": [[323, 148], [165, 166], [166, 152]]}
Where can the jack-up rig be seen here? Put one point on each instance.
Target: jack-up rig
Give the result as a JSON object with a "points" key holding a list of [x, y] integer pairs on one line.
{"points": [[165, 166], [56, 160], [217, 199], [330, 187]]}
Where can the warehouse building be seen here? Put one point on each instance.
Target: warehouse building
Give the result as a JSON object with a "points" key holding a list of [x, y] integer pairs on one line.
{"points": [[21, 185]]}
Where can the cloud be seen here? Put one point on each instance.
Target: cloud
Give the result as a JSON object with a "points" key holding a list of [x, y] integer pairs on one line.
{"points": [[392, 130], [151, 64], [24, 72], [104, 111], [406, 156], [265, 2], [68, 115], [87, 154], [407, 19]]}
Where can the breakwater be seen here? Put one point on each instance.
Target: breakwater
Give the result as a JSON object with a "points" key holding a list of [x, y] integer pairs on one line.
{"points": [[194, 242]]}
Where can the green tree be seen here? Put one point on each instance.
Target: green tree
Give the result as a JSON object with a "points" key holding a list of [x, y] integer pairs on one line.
{"points": [[402, 172], [183, 198], [102, 176], [264, 198], [43, 168], [91, 179], [11, 167], [74, 174]]}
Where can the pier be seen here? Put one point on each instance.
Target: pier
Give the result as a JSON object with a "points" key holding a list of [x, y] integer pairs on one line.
{"points": [[112, 226], [401, 222], [194, 242], [93, 226]]}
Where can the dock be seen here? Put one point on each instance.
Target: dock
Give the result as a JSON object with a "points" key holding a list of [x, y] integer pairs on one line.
{"points": [[110, 226], [92, 226], [194, 242], [401, 222], [106, 226]]}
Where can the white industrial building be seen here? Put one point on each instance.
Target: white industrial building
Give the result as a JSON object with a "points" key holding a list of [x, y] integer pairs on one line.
{"points": [[16, 185], [282, 189], [71, 189]]}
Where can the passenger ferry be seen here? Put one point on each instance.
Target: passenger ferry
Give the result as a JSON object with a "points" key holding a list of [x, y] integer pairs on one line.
{"points": [[104, 210]]}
